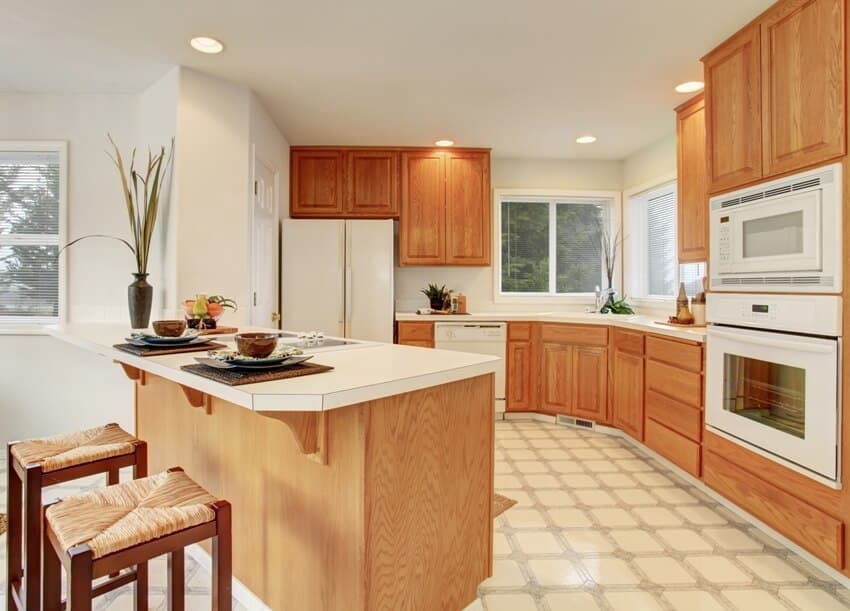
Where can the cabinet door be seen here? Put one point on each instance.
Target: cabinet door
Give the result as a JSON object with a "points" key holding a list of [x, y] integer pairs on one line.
{"points": [[372, 183], [590, 383], [520, 376], [422, 224], [556, 363], [733, 111], [627, 402], [692, 184], [468, 208], [803, 94], [316, 183]]}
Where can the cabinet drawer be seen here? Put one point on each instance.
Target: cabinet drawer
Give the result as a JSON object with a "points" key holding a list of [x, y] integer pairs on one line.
{"points": [[678, 354], [519, 331], [807, 526], [582, 335], [628, 341], [685, 386], [677, 416], [415, 331], [679, 450]]}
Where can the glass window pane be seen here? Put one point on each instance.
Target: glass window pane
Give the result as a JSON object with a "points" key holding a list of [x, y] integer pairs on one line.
{"points": [[661, 243], [691, 274], [29, 193], [525, 247], [29, 281], [579, 255]]}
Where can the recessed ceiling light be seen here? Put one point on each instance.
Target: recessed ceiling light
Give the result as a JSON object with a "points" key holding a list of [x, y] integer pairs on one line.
{"points": [[444, 143], [690, 86], [206, 44], [586, 139]]}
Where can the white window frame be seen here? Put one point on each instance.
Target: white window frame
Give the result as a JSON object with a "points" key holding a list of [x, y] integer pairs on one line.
{"points": [[614, 219], [19, 323]]}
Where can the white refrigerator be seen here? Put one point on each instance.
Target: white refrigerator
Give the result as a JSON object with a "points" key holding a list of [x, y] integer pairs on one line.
{"points": [[337, 278]]}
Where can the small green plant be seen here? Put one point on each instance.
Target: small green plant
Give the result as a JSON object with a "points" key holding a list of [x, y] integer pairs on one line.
{"points": [[432, 291], [617, 306]]}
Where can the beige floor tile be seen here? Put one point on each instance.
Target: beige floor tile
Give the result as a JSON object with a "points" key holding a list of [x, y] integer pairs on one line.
{"points": [[571, 601], [570, 518], [501, 547], [603, 441], [536, 434], [616, 480], [732, 539], [518, 517], [521, 454], [566, 466], [664, 571], [506, 574], [613, 517], [501, 467], [579, 480], [542, 480], [657, 516], [588, 542], [522, 498], [594, 498], [653, 479], [811, 599], [554, 498], [476, 605], [600, 466], [564, 433], [555, 572], [753, 600], [510, 602], [620, 453], [718, 570], [126, 602], [692, 600], [588, 454], [505, 433], [636, 541], [557, 454], [702, 516], [634, 465], [635, 496], [543, 443], [513, 444], [772, 568], [632, 601], [572, 444], [538, 542], [684, 540], [764, 538], [506, 482], [675, 496], [530, 466], [610, 571]]}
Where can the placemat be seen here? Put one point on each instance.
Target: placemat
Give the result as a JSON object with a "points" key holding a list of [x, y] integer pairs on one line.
{"points": [[236, 377], [160, 350]]}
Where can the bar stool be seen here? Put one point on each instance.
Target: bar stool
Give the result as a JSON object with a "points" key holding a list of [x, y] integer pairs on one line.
{"points": [[111, 530], [37, 463]]}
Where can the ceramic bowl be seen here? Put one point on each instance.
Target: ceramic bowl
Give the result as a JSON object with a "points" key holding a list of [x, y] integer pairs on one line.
{"points": [[169, 328], [258, 345]]}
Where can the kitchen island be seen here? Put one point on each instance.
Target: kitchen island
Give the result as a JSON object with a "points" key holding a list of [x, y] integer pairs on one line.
{"points": [[366, 487]]}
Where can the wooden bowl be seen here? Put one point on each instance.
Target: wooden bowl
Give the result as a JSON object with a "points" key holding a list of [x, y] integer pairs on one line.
{"points": [[258, 345], [169, 328]]}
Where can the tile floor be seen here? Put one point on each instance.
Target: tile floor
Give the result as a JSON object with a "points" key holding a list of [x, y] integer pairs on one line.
{"points": [[598, 526]]}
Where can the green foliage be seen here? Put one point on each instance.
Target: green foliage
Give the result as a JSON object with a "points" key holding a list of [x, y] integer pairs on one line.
{"points": [[617, 306], [432, 291]]}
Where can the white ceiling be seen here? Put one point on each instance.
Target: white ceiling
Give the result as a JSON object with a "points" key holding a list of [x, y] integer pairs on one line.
{"points": [[523, 77]]}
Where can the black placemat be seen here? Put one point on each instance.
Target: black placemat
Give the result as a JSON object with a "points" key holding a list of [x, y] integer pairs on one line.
{"points": [[237, 377], [160, 350]]}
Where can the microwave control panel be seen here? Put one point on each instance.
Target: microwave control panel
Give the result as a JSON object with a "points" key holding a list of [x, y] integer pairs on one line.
{"points": [[724, 240]]}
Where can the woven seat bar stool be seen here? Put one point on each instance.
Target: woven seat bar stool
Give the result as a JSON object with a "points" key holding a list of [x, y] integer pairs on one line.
{"points": [[116, 530], [37, 463]]}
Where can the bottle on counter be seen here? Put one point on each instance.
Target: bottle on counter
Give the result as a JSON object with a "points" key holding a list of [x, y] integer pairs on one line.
{"points": [[453, 302], [461, 303]]}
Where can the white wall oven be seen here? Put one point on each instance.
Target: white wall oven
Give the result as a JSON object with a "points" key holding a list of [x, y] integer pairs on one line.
{"points": [[773, 378], [779, 236]]}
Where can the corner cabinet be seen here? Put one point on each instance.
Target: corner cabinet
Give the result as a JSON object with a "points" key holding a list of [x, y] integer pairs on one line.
{"points": [[521, 368], [445, 208], [692, 185]]}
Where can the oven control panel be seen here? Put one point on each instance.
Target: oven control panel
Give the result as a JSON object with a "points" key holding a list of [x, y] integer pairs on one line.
{"points": [[813, 314]]}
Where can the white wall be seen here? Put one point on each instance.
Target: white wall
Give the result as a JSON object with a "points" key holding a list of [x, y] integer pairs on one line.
{"points": [[650, 163]]}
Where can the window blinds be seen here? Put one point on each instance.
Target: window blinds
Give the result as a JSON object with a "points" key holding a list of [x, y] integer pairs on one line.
{"points": [[29, 235], [579, 254], [525, 247], [661, 243]]}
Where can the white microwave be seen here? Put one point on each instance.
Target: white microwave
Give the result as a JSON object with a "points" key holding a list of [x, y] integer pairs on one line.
{"points": [[780, 236]]}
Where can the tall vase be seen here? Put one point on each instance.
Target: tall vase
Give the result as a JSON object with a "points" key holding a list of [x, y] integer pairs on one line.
{"points": [[139, 298]]}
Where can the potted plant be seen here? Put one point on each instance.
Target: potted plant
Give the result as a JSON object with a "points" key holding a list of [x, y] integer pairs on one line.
{"points": [[436, 295], [142, 194], [610, 246], [203, 311]]}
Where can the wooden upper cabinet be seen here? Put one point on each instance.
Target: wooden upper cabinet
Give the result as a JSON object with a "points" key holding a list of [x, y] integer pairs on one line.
{"points": [[316, 183], [467, 208], [692, 183], [803, 92], [733, 111], [590, 389], [372, 183], [423, 208]]}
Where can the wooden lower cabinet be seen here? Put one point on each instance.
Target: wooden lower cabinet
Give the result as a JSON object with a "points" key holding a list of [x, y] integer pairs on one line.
{"points": [[627, 393], [520, 368], [590, 389], [420, 334], [556, 369]]}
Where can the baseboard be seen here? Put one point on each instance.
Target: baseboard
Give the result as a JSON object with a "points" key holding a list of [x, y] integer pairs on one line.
{"points": [[241, 593]]}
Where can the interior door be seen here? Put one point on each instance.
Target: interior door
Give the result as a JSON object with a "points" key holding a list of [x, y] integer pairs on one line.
{"points": [[264, 247], [369, 268]]}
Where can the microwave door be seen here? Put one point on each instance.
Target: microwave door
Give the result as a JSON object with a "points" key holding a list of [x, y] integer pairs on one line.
{"points": [[779, 235]]}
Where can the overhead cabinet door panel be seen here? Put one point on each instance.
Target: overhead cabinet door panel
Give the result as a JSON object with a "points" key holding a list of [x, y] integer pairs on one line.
{"points": [[467, 209], [423, 208], [317, 183]]}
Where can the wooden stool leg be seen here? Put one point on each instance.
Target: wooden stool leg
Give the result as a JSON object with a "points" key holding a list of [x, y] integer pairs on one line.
{"points": [[51, 593], [80, 579], [176, 580], [140, 468], [112, 477], [222, 568], [32, 537], [142, 586], [14, 537]]}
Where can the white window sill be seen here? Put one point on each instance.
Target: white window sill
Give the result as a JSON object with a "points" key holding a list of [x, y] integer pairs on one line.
{"points": [[22, 330]]}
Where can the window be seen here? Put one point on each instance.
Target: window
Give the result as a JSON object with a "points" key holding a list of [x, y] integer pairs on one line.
{"points": [[551, 245], [655, 270], [31, 227]]}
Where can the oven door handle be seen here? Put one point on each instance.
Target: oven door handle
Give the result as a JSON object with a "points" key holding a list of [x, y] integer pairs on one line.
{"points": [[773, 342]]}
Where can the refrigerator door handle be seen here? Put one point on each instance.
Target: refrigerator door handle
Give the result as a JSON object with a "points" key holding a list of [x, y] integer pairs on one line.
{"points": [[349, 300], [341, 268]]}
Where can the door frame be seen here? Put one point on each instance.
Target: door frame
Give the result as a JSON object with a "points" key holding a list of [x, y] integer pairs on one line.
{"points": [[255, 157]]}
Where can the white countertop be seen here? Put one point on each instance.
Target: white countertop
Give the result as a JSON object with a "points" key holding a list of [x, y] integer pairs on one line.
{"points": [[636, 322], [362, 372]]}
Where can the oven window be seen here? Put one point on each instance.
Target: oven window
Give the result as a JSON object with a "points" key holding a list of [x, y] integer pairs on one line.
{"points": [[771, 394], [773, 236]]}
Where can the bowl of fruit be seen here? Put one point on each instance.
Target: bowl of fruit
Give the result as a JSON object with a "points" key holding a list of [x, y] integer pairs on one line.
{"points": [[203, 312]]}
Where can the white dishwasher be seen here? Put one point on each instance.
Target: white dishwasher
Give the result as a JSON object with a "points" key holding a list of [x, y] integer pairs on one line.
{"points": [[479, 338]]}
